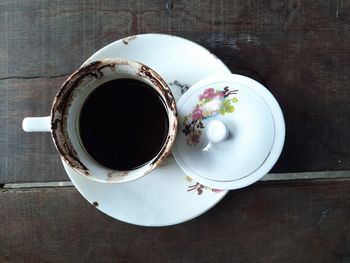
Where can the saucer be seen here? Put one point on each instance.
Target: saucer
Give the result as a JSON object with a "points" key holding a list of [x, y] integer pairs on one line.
{"points": [[180, 62], [166, 196]]}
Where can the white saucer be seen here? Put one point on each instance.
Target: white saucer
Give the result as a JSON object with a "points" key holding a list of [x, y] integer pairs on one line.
{"points": [[166, 196], [180, 62]]}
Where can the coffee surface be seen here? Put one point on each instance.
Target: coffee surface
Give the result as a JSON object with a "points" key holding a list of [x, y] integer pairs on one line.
{"points": [[123, 124]]}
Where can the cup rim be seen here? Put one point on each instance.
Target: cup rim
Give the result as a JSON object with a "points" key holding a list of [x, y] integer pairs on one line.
{"points": [[65, 96]]}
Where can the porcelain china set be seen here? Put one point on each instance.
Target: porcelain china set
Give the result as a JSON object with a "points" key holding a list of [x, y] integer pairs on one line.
{"points": [[226, 131]]}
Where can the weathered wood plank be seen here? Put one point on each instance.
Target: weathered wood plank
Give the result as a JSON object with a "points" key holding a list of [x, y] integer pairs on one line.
{"points": [[299, 49], [265, 223], [28, 157]]}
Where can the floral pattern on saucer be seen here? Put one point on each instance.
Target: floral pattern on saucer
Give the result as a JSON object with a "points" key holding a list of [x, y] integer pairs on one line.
{"points": [[199, 187], [211, 103]]}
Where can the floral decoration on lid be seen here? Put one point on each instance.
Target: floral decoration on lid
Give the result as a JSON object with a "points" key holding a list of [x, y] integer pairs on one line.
{"points": [[211, 103]]}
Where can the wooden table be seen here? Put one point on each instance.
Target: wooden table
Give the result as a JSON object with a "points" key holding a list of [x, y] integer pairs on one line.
{"points": [[300, 49]]}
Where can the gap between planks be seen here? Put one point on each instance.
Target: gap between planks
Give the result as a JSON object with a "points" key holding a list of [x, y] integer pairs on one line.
{"points": [[268, 177]]}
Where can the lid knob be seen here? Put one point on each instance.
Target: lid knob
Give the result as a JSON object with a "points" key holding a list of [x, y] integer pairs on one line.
{"points": [[216, 131]]}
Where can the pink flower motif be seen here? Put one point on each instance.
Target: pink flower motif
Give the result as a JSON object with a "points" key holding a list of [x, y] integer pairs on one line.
{"points": [[196, 113], [195, 139], [216, 190], [207, 94]]}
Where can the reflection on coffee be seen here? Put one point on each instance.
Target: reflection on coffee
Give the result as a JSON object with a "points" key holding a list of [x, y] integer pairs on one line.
{"points": [[123, 124]]}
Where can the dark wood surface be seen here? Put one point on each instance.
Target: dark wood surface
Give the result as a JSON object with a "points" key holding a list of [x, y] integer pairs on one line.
{"points": [[298, 48], [291, 222]]}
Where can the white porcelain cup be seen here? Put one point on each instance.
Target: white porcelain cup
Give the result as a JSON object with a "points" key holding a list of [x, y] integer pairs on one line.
{"points": [[64, 118]]}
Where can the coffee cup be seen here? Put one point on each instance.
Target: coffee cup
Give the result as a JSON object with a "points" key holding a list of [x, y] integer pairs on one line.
{"points": [[112, 121]]}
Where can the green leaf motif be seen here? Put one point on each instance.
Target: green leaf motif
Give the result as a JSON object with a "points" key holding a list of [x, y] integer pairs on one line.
{"points": [[230, 109], [201, 102], [193, 122], [226, 102], [185, 120], [226, 107]]}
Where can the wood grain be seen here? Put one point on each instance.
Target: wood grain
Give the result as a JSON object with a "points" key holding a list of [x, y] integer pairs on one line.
{"points": [[265, 223], [298, 48]]}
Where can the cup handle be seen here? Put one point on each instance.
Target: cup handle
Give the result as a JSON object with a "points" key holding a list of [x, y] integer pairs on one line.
{"points": [[37, 124]]}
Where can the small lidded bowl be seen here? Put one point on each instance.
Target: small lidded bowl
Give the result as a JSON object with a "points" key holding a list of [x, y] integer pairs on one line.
{"points": [[231, 131]]}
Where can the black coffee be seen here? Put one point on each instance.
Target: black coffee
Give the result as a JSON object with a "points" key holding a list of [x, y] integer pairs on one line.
{"points": [[123, 124]]}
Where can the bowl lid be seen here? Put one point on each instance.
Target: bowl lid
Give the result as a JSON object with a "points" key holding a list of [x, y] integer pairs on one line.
{"points": [[226, 131]]}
